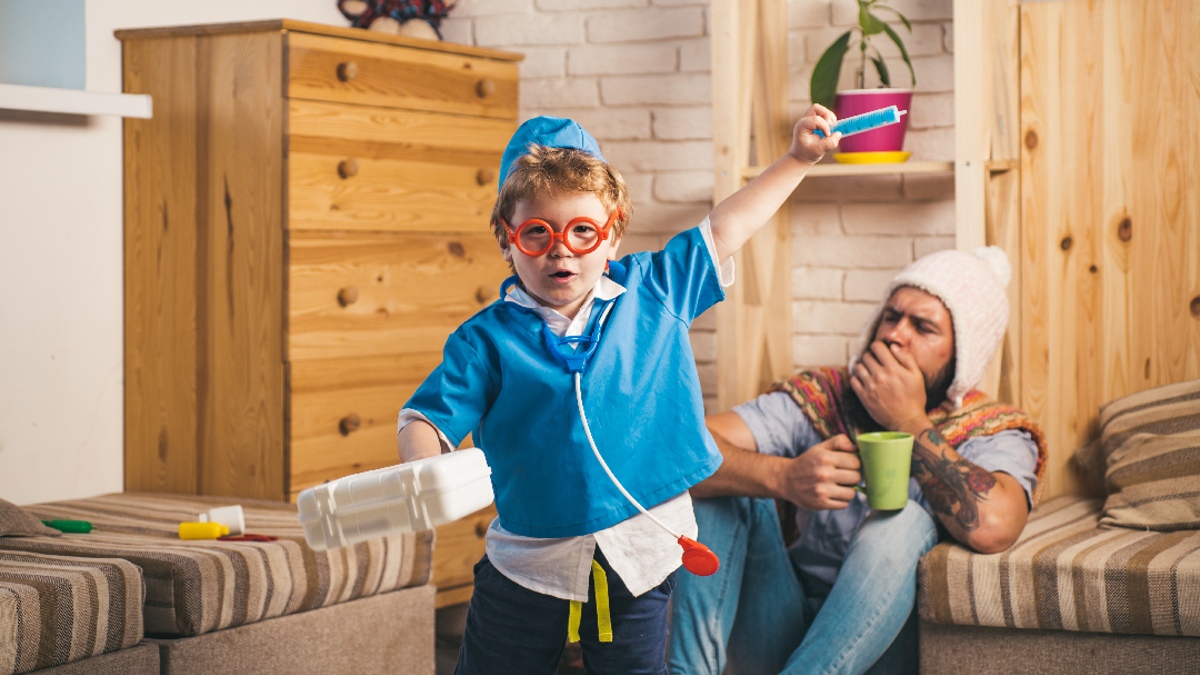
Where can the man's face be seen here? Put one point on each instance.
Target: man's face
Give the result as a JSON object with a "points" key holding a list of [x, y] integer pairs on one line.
{"points": [[918, 323]]}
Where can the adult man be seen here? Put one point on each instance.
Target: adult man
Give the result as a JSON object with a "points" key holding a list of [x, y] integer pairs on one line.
{"points": [[837, 600]]}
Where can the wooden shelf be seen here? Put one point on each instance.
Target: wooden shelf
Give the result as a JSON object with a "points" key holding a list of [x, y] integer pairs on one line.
{"points": [[1001, 165], [835, 169], [74, 102]]}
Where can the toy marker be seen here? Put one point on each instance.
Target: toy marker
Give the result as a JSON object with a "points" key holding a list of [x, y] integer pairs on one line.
{"points": [[74, 526]]}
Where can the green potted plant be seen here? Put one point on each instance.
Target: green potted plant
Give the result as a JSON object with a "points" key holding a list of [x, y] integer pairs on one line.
{"points": [[828, 71]]}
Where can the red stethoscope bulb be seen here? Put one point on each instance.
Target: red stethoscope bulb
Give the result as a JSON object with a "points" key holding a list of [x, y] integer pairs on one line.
{"points": [[698, 559]]}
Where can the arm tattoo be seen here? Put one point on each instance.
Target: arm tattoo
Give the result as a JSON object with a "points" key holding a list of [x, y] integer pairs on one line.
{"points": [[955, 487]]}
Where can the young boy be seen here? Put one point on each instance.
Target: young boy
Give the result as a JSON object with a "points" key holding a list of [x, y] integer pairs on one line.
{"points": [[565, 535]]}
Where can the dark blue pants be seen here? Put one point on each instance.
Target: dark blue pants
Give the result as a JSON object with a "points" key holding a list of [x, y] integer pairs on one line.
{"points": [[513, 630]]}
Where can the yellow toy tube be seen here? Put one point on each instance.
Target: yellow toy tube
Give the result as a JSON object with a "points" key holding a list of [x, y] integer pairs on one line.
{"points": [[202, 530]]}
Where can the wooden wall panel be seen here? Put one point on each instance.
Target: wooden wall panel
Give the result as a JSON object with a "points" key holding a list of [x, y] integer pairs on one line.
{"points": [[754, 328], [1110, 93], [1002, 228], [999, 92]]}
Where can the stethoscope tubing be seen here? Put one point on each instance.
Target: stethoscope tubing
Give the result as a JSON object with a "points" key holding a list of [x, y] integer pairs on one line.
{"points": [[603, 464]]}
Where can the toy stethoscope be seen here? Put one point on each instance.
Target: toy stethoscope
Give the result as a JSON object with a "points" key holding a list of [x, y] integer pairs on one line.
{"points": [[697, 558]]}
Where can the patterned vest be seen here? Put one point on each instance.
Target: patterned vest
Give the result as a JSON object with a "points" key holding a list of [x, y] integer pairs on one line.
{"points": [[825, 396]]}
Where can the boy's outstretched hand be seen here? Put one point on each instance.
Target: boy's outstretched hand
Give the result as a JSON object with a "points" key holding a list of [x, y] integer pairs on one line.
{"points": [[741, 214], [806, 145]]}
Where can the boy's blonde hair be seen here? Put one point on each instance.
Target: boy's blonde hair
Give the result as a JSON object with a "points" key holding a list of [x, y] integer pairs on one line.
{"points": [[544, 170]]}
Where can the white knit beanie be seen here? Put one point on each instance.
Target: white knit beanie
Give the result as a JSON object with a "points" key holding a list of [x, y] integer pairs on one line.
{"points": [[971, 286]]}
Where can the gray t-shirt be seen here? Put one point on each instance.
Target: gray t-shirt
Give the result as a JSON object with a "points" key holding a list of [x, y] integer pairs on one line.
{"points": [[781, 428]]}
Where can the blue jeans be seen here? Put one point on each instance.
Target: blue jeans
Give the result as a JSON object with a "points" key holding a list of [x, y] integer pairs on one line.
{"points": [[755, 615], [512, 630]]}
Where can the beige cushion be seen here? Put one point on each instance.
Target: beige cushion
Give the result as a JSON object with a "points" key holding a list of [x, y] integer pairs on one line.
{"points": [[195, 587], [17, 522], [1150, 446], [1066, 573]]}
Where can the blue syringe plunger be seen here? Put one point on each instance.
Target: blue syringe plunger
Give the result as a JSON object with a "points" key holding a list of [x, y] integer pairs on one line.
{"points": [[864, 122]]}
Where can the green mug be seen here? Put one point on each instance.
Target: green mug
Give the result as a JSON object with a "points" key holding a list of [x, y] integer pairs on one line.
{"points": [[886, 459]]}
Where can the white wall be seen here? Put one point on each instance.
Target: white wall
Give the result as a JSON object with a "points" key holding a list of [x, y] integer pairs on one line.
{"points": [[61, 365], [851, 236]]}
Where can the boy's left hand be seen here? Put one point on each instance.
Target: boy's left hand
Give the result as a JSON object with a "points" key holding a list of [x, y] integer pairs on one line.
{"points": [[806, 145]]}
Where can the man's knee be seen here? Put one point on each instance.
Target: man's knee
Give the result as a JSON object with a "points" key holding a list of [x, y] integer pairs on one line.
{"points": [[919, 524], [909, 532]]}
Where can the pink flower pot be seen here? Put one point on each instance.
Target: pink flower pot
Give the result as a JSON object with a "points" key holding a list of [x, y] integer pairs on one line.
{"points": [[858, 101]]}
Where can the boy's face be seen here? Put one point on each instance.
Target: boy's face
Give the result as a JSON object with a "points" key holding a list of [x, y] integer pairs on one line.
{"points": [[559, 278]]}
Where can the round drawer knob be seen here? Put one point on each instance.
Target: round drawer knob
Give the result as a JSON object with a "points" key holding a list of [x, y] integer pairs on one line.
{"points": [[484, 176], [485, 87], [348, 296], [481, 529], [347, 70], [348, 168], [349, 424]]}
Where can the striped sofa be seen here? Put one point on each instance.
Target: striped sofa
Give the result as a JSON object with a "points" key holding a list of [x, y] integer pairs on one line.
{"points": [[208, 606], [1093, 585], [58, 609]]}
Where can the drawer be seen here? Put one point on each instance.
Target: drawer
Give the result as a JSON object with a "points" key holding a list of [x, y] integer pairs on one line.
{"points": [[374, 169], [325, 68], [360, 294], [343, 414], [458, 547]]}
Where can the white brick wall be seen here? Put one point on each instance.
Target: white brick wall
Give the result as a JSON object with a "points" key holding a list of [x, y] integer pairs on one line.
{"points": [[851, 236], [636, 74]]}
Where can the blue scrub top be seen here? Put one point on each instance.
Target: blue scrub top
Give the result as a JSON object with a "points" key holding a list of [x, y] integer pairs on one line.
{"points": [[499, 381]]}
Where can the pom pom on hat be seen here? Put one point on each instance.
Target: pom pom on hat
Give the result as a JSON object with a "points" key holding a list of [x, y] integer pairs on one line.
{"points": [[552, 132], [971, 286], [997, 260]]}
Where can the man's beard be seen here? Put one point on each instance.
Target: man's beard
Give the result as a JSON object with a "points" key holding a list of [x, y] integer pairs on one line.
{"points": [[937, 386]]}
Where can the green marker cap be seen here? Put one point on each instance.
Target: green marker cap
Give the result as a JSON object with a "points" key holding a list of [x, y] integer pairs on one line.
{"points": [[74, 526]]}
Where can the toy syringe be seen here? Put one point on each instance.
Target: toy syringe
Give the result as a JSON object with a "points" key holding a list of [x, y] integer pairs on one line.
{"points": [[864, 122]]}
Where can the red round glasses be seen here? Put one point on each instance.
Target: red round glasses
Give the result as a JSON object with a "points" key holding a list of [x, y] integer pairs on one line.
{"points": [[581, 236]]}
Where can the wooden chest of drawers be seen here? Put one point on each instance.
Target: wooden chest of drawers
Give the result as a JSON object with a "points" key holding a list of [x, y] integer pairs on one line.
{"points": [[306, 222]]}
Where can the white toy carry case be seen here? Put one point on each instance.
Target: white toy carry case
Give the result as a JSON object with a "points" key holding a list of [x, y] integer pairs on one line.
{"points": [[410, 497]]}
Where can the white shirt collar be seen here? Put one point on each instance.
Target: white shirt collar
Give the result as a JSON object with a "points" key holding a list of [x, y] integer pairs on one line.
{"points": [[605, 289]]}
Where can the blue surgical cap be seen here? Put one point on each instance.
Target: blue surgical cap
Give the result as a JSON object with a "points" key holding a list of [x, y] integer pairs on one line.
{"points": [[554, 132]]}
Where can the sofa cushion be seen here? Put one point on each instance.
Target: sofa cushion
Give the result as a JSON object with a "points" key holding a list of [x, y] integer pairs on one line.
{"points": [[16, 522], [57, 609], [195, 587], [1150, 447], [1065, 573]]}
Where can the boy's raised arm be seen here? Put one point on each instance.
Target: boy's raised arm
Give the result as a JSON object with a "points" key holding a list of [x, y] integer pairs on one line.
{"points": [[737, 218]]}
